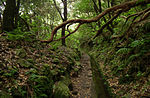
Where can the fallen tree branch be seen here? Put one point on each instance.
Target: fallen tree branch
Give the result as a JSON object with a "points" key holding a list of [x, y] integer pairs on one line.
{"points": [[124, 7]]}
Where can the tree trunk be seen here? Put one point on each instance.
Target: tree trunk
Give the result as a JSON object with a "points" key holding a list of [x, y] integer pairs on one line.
{"points": [[62, 35], [100, 6], [0, 20], [113, 3], [9, 15], [17, 13], [65, 19]]}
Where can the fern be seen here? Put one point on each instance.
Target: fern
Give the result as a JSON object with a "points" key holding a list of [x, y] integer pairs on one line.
{"points": [[146, 26], [123, 51], [17, 34], [137, 43], [132, 57]]}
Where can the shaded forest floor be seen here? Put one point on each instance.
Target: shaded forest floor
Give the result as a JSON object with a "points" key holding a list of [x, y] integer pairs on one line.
{"points": [[32, 69], [134, 89]]}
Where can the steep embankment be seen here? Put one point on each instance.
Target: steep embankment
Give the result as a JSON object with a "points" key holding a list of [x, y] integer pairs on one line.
{"points": [[124, 59], [33, 69]]}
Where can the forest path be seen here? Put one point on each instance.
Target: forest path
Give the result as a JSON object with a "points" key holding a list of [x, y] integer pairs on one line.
{"points": [[82, 83]]}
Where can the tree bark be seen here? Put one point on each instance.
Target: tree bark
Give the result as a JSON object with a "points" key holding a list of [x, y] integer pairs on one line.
{"points": [[9, 15], [65, 19], [113, 3], [17, 13], [100, 6]]}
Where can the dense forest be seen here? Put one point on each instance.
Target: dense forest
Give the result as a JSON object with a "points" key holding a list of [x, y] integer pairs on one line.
{"points": [[74, 48]]}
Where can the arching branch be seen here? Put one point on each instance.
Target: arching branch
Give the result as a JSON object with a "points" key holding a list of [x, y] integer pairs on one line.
{"points": [[69, 33], [123, 7], [110, 21]]}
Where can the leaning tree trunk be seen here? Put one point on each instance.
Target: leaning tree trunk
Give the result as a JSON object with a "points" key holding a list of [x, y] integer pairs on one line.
{"points": [[9, 15]]}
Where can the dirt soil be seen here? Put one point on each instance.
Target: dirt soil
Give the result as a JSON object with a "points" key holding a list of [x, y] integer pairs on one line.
{"points": [[82, 82]]}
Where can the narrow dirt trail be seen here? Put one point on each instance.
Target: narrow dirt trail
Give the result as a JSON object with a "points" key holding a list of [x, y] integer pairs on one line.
{"points": [[82, 83]]}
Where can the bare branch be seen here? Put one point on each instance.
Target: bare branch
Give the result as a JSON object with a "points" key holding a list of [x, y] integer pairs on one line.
{"points": [[58, 10]]}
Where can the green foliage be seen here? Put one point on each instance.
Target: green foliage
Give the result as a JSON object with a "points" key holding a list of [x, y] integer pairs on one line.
{"points": [[41, 82], [61, 90], [139, 1], [146, 26], [136, 43], [41, 85], [17, 34], [19, 91], [4, 94], [11, 73], [123, 51], [84, 6], [139, 74], [55, 45], [126, 79], [133, 57]]}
